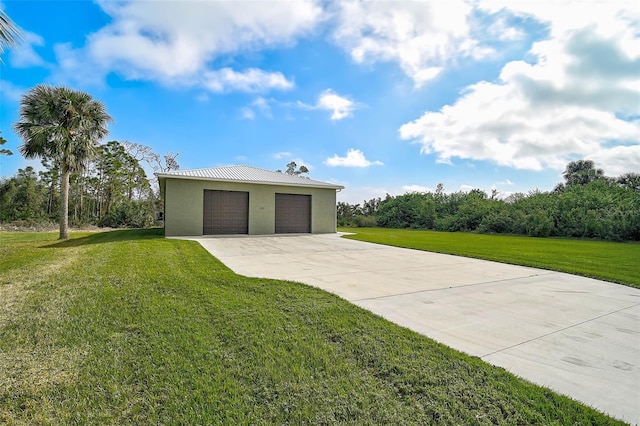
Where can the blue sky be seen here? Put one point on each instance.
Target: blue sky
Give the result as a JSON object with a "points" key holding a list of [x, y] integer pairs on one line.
{"points": [[381, 97]]}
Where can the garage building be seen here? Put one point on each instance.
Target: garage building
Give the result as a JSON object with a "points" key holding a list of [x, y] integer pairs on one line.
{"points": [[245, 200]]}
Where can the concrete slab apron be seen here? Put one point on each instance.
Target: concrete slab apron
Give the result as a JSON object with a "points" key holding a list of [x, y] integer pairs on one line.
{"points": [[578, 336]]}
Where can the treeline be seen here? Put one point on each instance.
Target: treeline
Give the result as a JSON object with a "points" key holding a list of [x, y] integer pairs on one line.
{"points": [[587, 205], [113, 189]]}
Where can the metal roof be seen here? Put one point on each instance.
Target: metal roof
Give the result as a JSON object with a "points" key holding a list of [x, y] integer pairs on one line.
{"points": [[246, 174]]}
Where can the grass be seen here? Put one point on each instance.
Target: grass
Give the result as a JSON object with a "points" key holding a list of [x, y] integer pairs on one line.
{"points": [[609, 261], [126, 327]]}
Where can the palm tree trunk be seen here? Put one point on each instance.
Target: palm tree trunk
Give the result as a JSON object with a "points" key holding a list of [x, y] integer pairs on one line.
{"points": [[64, 204]]}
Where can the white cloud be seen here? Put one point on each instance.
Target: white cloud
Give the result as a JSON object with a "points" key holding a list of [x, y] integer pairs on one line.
{"points": [[10, 92], [202, 97], [501, 30], [251, 80], [283, 154], [339, 106], [353, 194], [175, 42], [423, 37], [617, 160], [467, 188], [74, 65], [300, 162], [23, 55], [570, 103], [259, 104], [262, 105], [247, 113], [289, 157], [416, 188], [566, 16], [354, 158]]}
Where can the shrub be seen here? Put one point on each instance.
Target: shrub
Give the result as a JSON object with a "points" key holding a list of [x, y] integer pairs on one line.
{"points": [[539, 224], [362, 221], [133, 214], [499, 222]]}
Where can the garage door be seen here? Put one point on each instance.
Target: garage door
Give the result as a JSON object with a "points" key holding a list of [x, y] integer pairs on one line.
{"points": [[226, 212], [293, 213]]}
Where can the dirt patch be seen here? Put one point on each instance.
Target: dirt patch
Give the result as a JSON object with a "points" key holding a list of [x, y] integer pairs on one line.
{"points": [[25, 226]]}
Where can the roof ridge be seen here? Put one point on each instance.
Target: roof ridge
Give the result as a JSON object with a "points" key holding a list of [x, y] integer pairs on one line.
{"points": [[249, 174], [248, 167]]}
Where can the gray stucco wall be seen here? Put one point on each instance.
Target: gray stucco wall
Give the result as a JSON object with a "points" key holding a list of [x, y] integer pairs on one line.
{"points": [[184, 205]]}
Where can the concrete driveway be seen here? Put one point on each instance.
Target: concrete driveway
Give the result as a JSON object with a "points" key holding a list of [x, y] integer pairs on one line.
{"points": [[578, 336]]}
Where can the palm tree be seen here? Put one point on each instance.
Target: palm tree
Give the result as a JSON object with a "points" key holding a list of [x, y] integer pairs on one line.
{"points": [[581, 172], [64, 125], [9, 32]]}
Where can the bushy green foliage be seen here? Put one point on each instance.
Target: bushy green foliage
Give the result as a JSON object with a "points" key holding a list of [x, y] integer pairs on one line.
{"points": [[23, 190], [129, 214], [501, 220], [113, 191], [363, 221], [354, 215], [587, 205], [601, 209], [413, 210], [539, 224]]}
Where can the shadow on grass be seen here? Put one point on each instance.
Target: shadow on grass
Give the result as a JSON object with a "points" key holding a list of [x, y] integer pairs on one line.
{"points": [[110, 237]]}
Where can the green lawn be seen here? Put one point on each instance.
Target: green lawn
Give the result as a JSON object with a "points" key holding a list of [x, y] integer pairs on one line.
{"points": [[609, 261], [126, 327]]}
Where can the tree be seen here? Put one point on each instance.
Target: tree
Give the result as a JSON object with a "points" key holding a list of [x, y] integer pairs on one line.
{"points": [[630, 180], [293, 170], [64, 125], [581, 172], [9, 32], [161, 164], [122, 179], [28, 195], [4, 151], [50, 178]]}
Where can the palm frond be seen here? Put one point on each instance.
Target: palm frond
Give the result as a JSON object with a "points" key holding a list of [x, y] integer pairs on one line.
{"points": [[61, 123], [9, 33]]}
